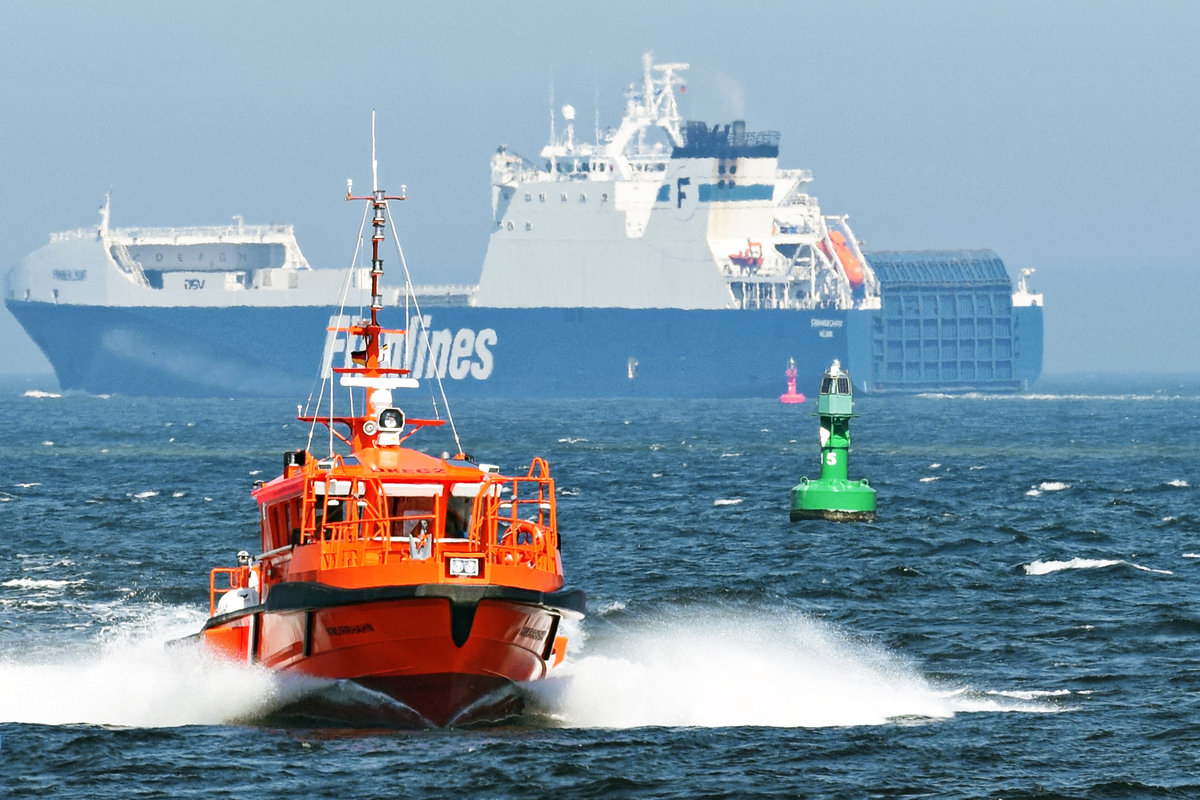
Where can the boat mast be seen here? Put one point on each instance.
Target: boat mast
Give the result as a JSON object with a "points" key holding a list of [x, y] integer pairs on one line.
{"points": [[379, 200]]}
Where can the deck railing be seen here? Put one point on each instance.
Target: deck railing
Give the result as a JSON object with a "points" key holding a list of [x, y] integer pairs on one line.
{"points": [[512, 522]]}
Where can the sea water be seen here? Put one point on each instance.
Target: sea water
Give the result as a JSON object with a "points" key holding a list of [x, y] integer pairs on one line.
{"points": [[1019, 621]]}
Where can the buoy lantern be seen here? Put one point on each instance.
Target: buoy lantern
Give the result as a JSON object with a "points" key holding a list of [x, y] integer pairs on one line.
{"points": [[832, 496]]}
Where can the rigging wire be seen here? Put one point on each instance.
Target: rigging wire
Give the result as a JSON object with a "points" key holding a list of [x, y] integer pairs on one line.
{"points": [[324, 371], [423, 331]]}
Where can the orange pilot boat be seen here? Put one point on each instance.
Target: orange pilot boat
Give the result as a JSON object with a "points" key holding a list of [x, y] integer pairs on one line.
{"points": [[434, 583]]}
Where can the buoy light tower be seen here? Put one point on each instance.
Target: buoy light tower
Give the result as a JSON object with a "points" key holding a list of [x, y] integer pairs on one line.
{"points": [[791, 395], [832, 496]]}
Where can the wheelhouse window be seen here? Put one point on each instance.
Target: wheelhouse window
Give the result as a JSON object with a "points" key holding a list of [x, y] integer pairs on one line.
{"points": [[411, 508]]}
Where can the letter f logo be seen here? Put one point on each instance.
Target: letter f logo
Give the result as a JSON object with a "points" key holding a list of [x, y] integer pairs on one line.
{"points": [[679, 193]]}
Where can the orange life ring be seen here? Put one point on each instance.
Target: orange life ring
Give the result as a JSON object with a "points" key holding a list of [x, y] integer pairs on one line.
{"points": [[535, 544]]}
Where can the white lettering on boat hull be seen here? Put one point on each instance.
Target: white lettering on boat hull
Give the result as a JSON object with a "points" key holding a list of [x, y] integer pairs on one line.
{"points": [[426, 352]]}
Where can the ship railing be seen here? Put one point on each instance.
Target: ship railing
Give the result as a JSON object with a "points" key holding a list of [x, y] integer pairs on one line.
{"points": [[509, 536], [78, 233], [242, 233], [223, 580], [513, 522], [371, 536]]}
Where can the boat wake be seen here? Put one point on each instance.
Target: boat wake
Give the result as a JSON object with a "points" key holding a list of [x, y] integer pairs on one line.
{"points": [[695, 669], [753, 668], [130, 678]]}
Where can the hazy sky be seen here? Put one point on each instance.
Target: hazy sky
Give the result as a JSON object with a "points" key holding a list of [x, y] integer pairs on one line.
{"points": [[1065, 135]]}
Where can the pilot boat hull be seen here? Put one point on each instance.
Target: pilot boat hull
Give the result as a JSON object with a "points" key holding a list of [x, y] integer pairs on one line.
{"points": [[446, 655]]}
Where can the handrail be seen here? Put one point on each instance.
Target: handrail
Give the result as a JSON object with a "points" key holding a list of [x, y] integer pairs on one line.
{"points": [[235, 577], [513, 521]]}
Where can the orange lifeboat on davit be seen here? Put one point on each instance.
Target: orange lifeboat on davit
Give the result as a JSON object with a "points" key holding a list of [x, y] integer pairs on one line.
{"points": [[434, 583], [749, 259], [851, 264]]}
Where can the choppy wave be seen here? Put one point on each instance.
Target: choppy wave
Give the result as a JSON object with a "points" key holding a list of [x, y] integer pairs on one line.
{"points": [[1048, 486], [728, 501], [1047, 567], [39, 583], [42, 394], [1033, 695]]}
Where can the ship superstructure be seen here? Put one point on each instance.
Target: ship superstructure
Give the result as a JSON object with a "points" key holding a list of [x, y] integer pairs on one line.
{"points": [[659, 213], [218, 266]]}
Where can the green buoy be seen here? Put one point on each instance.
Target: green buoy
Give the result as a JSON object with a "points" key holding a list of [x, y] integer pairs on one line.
{"points": [[832, 496]]}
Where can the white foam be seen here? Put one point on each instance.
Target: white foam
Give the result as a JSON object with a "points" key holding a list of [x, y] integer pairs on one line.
{"points": [[1047, 567], [1048, 486], [41, 394], [728, 501], [931, 478], [130, 678], [1191, 555], [35, 583], [1031, 694], [608, 608], [143, 495], [1178, 482], [769, 667], [26, 485], [990, 702]]}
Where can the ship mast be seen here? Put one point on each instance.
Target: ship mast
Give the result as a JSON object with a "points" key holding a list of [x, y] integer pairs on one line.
{"points": [[379, 200], [367, 371]]}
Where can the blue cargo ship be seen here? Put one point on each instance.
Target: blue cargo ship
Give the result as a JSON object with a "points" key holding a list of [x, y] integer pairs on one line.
{"points": [[665, 259]]}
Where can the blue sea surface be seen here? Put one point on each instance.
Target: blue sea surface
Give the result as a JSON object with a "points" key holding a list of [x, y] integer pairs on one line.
{"points": [[1018, 622]]}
